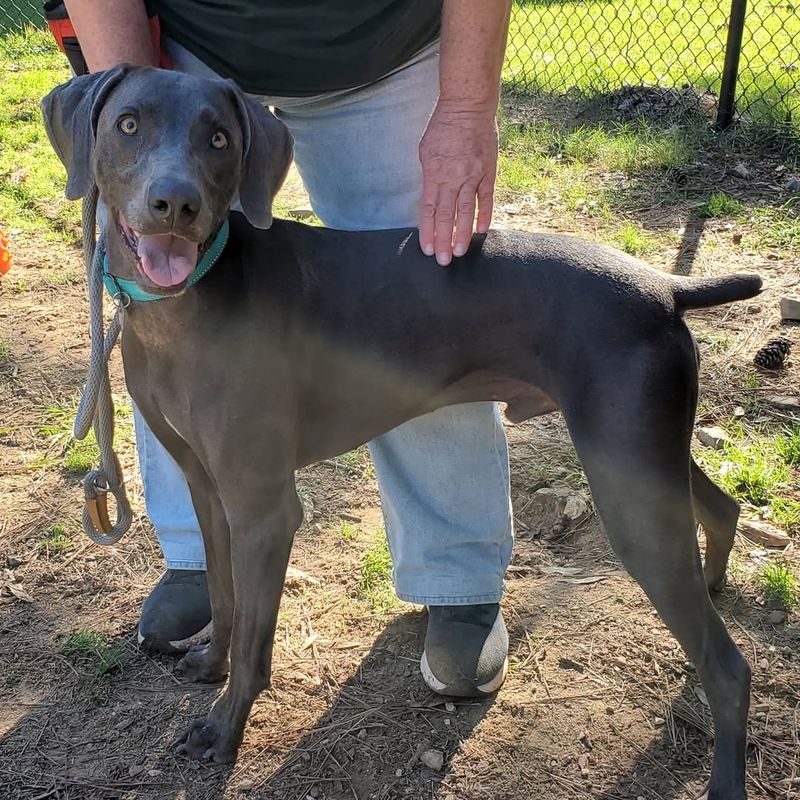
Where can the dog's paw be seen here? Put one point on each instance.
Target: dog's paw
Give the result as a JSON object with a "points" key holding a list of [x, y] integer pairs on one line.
{"points": [[202, 665], [207, 739]]}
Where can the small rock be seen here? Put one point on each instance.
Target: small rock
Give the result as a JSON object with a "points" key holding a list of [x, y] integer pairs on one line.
{"points": [[154, 773], [713, 437], [551, 510], [246, 786], [433, 759], [790, 308], [448, 722], [449, 707], [736, 238], [740, 170], [764, 663], [659, 721], [793, 184], [575, 507], [784, 403], [777, 616], [738, 411], [398, 773], [135, 769], [761, 532], [583, 763], [12, 562]]}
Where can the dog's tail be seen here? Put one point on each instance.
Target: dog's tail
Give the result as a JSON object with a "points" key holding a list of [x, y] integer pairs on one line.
{"points": [[705, 292]]}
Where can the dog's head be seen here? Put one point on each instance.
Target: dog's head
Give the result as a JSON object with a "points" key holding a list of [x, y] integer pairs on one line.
{"points": [[169, 153]]}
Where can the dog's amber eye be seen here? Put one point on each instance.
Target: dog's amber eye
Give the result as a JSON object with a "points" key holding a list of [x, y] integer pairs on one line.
{"points": [[128, 125], [219, 141]]}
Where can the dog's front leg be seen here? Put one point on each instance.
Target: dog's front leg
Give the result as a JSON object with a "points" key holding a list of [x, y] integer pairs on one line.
{"points": [[261, 541]]}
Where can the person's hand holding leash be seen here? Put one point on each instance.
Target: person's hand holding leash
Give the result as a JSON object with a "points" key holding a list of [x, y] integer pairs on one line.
{"points": [[458, 151]]}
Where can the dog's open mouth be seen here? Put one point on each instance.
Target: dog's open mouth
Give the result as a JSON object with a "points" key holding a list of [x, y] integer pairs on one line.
{"points": [[165, 259]]}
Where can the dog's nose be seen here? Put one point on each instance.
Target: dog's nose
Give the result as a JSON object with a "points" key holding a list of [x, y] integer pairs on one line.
{"points": [[174, 201]]}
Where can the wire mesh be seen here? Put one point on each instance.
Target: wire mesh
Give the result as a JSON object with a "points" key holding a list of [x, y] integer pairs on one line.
{"points": [[596, 47]]}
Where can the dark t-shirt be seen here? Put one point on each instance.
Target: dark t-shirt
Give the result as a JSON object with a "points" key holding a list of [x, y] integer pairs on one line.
{"points": [[301, 47]]}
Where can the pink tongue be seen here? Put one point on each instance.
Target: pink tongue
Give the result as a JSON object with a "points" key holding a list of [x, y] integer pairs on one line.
{"points": [[166, 259]]}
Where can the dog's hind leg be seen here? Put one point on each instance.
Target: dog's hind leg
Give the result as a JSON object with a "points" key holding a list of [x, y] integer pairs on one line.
{"points": [[718, 513], [639, 477]]}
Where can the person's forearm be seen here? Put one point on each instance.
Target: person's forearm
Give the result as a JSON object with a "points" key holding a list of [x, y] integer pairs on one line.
{"points": [[112, 32], [472, 47]]}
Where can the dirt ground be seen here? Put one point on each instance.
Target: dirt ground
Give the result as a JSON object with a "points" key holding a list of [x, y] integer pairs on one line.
{"points": [[599, 702]]}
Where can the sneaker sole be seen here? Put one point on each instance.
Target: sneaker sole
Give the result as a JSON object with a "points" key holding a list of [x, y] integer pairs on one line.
{"points": [[437, 686], [203, 636]]}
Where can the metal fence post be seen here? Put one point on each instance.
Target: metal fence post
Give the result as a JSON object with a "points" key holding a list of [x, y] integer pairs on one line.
{"points": [[730, 71]]}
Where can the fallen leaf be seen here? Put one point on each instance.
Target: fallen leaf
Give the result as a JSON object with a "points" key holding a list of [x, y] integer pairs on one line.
{"points": [[701, 694], [433, 759], [296, 576], [19, 593], [560, 570]]}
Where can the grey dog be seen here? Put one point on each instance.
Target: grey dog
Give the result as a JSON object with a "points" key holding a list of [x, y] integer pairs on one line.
{"points": [[287, 353]]}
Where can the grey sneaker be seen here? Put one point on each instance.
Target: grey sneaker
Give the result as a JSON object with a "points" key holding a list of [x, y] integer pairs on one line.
{"points": [[176, 615], [466, 650]]}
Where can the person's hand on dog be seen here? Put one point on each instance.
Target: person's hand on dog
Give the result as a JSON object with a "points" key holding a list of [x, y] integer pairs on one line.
{"points": [[458, 150], [458, 153]]}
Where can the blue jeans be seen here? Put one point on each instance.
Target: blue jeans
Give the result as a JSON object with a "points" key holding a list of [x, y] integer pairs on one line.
{"points": [[443, 477]]}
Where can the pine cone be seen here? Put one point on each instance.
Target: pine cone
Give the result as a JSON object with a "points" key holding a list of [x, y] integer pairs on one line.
{"points": [[773, 353]]}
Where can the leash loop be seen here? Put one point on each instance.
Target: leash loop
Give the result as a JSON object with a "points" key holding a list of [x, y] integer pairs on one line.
{"points": [[96, 407]]}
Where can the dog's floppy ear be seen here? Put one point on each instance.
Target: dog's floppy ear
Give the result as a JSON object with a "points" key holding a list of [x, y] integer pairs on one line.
{"points": [[267, 152], [70, 114]]}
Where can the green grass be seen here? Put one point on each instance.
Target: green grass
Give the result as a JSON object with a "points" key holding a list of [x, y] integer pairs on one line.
{"points": [[595, 46], [31, 177], [348, 531], [719, 205], [62, 277], [630, 238], [749, 469], [359, 462], [376, 576], [579, 170], [761, 466], [80, 456], [779, 584], [785, 512], [95, 649], [56, 541], [787, 446], [779, 227]]}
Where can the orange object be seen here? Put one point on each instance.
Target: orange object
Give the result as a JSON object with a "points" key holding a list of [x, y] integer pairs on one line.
{"points": [[5, 254]]}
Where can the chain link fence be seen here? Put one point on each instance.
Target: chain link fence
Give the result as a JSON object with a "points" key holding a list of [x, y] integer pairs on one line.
{"points": [[669, 51]]}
